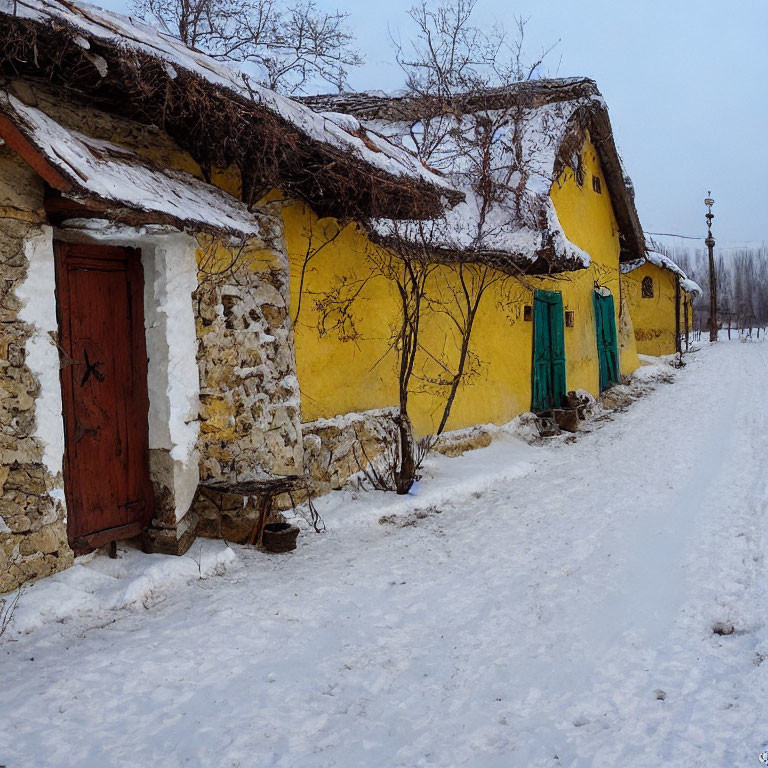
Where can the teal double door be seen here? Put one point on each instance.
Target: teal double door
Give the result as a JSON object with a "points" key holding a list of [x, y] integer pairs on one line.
{"points": [[549, 365], [607, 342]]}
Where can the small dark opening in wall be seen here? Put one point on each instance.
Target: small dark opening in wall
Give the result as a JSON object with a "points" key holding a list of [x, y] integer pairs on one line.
{"points": [[527, 313], [597, 185], [579, 172], [648, 287], [569, 319]]}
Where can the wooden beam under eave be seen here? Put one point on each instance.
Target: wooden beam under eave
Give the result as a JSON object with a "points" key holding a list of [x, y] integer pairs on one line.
{"points": [[59, 208], [24, 148]]}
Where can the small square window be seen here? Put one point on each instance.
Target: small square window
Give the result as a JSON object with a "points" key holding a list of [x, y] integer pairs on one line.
{"points": [[647, 287], [597, 185], [528, 313], [569, 319]]}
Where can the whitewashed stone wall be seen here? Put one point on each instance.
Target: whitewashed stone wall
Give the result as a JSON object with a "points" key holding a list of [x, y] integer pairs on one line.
{"points": [[33, 531], [224, 398]]}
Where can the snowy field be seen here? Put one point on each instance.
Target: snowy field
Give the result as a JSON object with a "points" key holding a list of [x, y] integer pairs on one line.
{"points": [[530, 606]]}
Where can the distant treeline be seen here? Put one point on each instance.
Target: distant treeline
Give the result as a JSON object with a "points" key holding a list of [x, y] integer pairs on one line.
{"points": [[742, 282]]}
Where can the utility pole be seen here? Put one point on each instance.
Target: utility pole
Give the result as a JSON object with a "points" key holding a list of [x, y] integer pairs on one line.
{"points": [[710, 243]]}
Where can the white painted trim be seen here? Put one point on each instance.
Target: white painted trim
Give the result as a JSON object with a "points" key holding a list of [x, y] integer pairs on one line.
{"points": [[38, 295], [170, 277]]}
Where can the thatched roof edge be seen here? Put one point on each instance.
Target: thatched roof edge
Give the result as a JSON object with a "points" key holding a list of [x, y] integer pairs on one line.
{"points": [[110, 180], [591, 114]]}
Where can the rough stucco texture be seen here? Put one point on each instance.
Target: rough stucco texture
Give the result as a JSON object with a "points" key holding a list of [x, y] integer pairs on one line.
{"points": [[653, 318]]}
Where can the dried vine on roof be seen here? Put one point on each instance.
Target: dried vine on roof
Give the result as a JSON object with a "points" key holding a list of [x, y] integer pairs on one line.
{"points": [[216, 126]]}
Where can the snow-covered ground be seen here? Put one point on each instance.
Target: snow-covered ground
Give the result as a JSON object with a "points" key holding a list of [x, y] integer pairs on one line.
{"points": [[530, 606]]}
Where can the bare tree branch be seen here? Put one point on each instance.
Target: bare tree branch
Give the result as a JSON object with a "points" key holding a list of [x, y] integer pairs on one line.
{"points": [[292, 47]]}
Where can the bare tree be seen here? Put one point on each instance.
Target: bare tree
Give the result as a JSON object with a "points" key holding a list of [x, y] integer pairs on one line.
{"points": [[451, 54], [409, 268], [458, 299], [316, 242], [742, 281], [444, 268], [448, 58], [292, 46], [8, 606]]}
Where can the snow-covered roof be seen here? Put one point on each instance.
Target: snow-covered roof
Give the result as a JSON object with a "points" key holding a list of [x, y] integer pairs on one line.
{"points": [[662, 261], [534, 125], [110, 44], [523, 221], [92, 171]]}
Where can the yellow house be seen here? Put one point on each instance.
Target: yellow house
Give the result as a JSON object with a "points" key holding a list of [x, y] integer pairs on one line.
{"points": [[660, 298], [531, 255]]}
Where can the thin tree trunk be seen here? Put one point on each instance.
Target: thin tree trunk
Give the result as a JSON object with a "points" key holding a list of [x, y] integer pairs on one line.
{"points": [[464, 353], [411, 291], [677, 314], [405, 476]]}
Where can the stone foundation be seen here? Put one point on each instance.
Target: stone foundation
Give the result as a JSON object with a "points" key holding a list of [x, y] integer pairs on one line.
{"points": [[173, 528], [462, 440], [336, 449], [33, 528]]}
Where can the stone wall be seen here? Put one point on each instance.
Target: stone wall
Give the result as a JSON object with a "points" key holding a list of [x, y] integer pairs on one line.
{"points": [[33, 531], [336, 449], [250, 422]]}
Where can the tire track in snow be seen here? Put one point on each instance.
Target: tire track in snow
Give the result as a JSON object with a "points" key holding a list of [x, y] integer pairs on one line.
{"points": [[676, 651], [659, 539]]}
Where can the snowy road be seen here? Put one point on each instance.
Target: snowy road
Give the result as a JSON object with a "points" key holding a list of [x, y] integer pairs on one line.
{"points": [[550, 606]]}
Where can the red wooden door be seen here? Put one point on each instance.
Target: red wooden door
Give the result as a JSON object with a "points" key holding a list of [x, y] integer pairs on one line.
{"points": [[104, 393]]}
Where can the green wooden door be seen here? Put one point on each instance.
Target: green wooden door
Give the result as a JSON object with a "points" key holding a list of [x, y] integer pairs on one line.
{"points": [[549, 377], [607, 341]]}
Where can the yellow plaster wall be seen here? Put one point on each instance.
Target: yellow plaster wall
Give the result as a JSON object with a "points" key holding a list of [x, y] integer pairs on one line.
{"points": [[653, 318], [345, 358], [589, 221], [344, 355]]}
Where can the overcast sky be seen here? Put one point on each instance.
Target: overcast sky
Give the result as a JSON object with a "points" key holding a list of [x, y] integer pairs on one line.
{"points": [[686, 85]]}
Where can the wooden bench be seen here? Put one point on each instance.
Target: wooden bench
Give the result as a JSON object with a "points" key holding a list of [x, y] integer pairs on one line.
{"points": [[265, 489]]}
